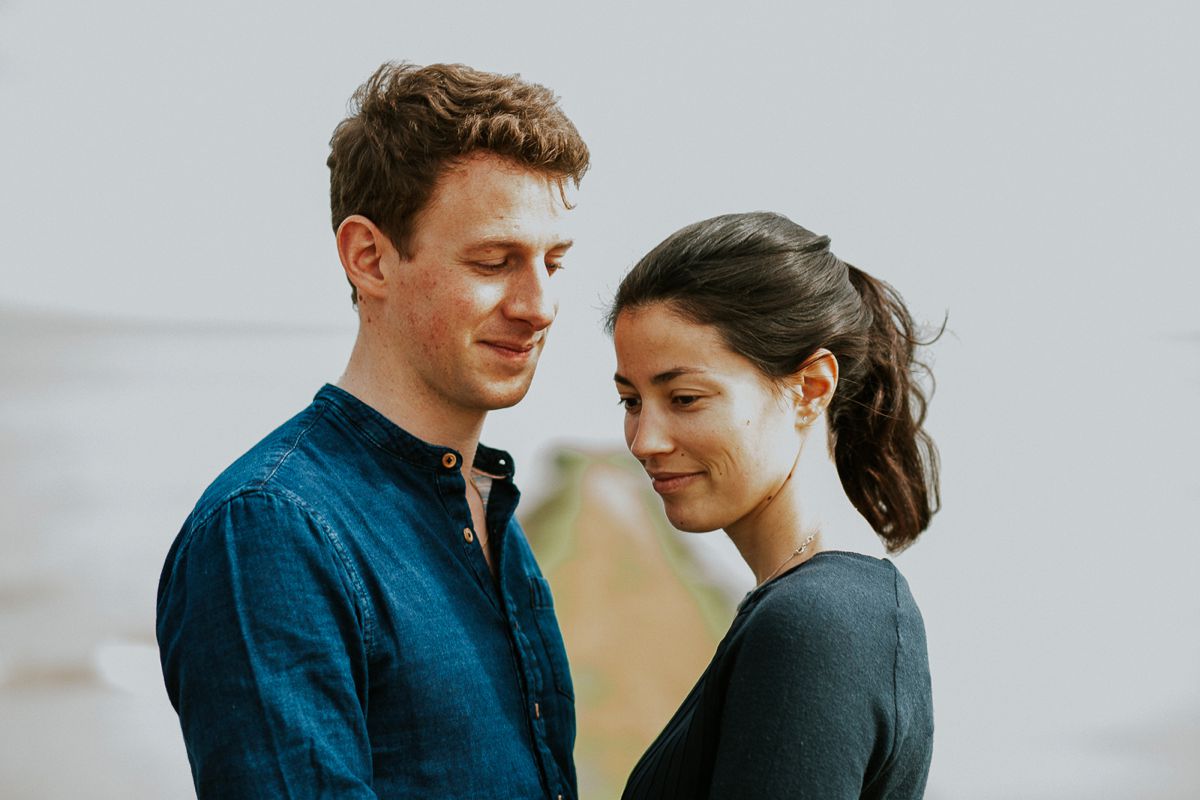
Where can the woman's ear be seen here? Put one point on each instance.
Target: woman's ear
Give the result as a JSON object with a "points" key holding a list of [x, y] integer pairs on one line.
{"points": [[362, 247], [814, 384]]}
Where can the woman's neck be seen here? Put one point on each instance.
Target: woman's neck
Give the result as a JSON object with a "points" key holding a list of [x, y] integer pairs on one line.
{"points": [[810, 502]]}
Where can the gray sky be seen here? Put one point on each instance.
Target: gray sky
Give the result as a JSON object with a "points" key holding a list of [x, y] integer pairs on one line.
{"points": [[167, 159], [1030, 168]]}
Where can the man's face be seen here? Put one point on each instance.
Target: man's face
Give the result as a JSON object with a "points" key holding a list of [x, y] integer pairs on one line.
{"points": [[470, 310]]}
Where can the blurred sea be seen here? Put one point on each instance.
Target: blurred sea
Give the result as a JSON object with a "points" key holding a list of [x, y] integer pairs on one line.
{"points": [[1059, 585], [108, 431]]}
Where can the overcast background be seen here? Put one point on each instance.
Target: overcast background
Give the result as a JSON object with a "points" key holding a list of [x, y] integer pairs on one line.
{"points": [[170, 291]]}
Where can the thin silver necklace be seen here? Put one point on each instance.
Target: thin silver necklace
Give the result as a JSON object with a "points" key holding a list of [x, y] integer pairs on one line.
{"points": [[794, 553]]}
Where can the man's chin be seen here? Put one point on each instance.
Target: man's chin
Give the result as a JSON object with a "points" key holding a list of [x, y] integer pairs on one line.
{"points": [[497, 397]]}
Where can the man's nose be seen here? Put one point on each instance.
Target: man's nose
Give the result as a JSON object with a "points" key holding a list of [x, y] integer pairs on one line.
{"points": [[531, 298]]}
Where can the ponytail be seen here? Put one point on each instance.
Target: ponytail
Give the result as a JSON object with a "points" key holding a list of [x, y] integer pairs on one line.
{"points": [[887, 462]]}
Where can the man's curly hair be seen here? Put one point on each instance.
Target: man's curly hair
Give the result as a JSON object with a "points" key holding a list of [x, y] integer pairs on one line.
{"points": [[408, 123]]}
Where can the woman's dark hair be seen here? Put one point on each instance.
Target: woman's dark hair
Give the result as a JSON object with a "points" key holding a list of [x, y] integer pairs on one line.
{"points": [[776, 295]]}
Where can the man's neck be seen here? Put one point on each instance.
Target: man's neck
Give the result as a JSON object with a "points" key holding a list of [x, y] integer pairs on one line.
{"points": [[403, 401]]}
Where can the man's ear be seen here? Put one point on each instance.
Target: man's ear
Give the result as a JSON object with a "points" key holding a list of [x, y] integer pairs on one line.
{"points": [[362, 247], [813, 385]]}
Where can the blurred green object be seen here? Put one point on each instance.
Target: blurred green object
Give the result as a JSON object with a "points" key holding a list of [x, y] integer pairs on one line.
{"points": [[640, 616]]}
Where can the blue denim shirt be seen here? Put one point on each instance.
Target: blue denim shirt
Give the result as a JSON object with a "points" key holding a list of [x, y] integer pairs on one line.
{"points": [[328, 626]]}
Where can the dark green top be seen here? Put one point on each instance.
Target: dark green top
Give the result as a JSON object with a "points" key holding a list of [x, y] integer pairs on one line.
{"points": [[820, 689]]}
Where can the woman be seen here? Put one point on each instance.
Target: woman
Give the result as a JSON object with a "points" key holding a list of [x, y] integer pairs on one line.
{"points": [[769, 391]]}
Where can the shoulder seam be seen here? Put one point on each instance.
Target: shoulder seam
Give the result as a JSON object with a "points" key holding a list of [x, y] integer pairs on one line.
{"points": [[296, 442], [251, 486], [335, 542], [331, 537], [895, 663]]}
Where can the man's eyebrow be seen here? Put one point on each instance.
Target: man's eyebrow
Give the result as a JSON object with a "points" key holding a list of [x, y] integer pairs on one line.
{"points": [[504, 243], [662, 377]]}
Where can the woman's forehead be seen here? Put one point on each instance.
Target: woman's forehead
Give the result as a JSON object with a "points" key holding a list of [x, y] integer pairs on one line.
{"points": [[655, 344]]}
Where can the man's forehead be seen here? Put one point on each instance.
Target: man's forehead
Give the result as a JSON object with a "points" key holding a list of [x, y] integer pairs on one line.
{"points": [[488, 201], [495, 183], [484, 168]]}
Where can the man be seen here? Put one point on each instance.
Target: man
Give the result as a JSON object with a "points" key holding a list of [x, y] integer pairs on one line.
{"points": [[351, 610]]}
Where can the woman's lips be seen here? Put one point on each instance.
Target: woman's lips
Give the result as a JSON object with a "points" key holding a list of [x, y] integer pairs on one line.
{"points": [[671, 482]]}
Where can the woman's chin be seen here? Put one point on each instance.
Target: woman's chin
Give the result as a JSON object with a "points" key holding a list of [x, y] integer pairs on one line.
{"points": [[691, 524]]}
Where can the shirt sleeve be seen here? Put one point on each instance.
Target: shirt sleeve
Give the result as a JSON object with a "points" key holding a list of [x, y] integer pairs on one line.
{"points": [[808, 707], [264, 655]]}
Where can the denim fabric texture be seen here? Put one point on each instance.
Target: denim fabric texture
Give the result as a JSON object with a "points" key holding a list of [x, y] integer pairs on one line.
{"points": [[328, 626]]}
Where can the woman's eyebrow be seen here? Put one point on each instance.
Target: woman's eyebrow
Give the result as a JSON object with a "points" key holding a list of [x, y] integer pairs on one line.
{"points": [[662, 377]]}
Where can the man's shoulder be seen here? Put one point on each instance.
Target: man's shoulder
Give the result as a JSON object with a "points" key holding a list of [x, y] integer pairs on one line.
{"points": [[268, 467]]}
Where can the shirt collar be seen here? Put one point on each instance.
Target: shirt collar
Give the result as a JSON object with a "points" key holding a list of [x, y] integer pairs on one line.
{"points": [[391, 437]]}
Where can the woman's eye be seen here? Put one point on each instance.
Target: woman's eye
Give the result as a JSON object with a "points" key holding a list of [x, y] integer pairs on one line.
{"points": [[553, 266], [631, 404], [490, 264]]}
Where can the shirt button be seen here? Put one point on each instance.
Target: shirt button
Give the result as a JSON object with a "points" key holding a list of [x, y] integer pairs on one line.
{"points": [[449, 461], [468, 535]]}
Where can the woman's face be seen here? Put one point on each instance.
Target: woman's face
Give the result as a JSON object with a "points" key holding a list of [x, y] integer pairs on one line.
{"points": [[715, 436]]}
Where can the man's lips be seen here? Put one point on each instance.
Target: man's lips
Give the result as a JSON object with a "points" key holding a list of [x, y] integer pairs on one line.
{"points": [[669, 482], [517, 350]]}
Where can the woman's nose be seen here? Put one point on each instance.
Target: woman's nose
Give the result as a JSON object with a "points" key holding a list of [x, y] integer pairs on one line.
{"points": [[649, 436]]}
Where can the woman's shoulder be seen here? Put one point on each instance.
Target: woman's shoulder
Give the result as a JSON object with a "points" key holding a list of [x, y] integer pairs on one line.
{"points": [[836, 597], [834, 578]]}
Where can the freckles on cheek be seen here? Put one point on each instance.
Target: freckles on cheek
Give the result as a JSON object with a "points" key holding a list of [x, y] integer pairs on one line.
{"points": [[432, 334], [440, 331]]}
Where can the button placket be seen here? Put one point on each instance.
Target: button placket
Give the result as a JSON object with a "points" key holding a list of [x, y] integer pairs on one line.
{"points": [[451, 488]]}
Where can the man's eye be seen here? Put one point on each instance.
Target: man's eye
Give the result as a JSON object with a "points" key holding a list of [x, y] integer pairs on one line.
{"points": [[685, 399], [490, 264], [554, 266]]}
